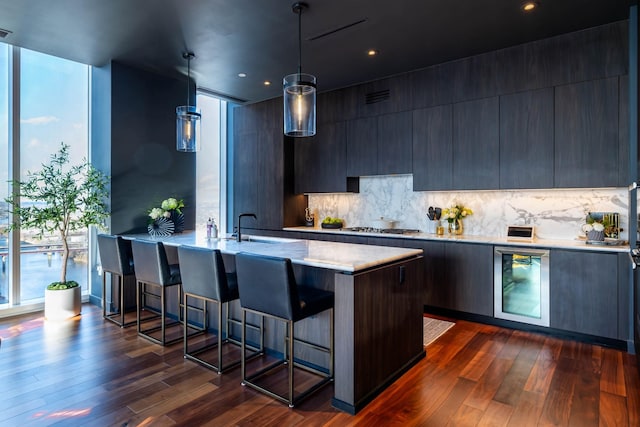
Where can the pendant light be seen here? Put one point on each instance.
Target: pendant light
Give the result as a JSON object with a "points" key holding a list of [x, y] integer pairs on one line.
{"points": [[299, 92], [188, 118]]}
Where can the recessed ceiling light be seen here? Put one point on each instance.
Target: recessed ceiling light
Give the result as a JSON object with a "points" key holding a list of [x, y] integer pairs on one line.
{"points": [[242, 74], [372, 52], [529, 6], [267, 83]]}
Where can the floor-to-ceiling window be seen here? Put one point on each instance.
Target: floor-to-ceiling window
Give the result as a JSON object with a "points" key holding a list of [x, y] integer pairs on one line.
{"points": [[4, 173], [50, 99], [210, 170]]}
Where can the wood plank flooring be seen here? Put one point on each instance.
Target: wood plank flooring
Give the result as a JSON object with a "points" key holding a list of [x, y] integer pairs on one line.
{"points": [[89, 372]]}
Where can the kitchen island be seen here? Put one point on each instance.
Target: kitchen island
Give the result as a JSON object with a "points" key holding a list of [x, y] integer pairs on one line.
{"points": [[378, 306]]}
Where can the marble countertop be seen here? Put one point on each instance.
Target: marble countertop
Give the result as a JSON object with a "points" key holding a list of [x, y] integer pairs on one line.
{"points": [[490, 240], [346, 257]]}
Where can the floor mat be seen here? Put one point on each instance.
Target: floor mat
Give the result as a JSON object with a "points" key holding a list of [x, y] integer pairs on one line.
{"points": [[433, 329]]}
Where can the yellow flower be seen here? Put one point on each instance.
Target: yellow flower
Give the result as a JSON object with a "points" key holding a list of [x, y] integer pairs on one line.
{"points": [[456, 212]]}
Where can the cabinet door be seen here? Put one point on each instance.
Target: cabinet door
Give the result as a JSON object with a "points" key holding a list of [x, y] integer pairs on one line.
{"points": [[433, 263], [583, 292], [320, 162], [394, 143], [468, 279], [432, 149], [476, 149], [526, 139], [362, 156], [269, 177], [586, 134], [245, 162]]}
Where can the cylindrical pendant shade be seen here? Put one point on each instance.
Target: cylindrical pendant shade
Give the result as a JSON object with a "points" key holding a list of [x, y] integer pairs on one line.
{"points": [[188, 128], [299, 105]]}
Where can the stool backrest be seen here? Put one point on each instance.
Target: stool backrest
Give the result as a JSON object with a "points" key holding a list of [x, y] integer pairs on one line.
{"points": [[115, 254], [267, 284], [151, 262], [203, 273]]}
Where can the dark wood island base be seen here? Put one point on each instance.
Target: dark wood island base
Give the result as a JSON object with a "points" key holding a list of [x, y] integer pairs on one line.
{"points": [[378, 330]]}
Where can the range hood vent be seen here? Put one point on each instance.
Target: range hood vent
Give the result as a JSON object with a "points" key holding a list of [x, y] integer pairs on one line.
{"points": [[379, 96]]}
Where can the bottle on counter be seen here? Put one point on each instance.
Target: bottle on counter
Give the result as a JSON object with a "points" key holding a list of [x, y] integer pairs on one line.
{"points": [[214, 231], [209, 228]]}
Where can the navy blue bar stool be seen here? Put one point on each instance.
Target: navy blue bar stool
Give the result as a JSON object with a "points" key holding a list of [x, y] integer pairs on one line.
{"points": [[116, 259], [204, 277], [267, 286], [153, 270]]}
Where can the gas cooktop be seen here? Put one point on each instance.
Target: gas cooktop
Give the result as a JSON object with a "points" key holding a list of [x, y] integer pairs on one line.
{"points": [[381, 230]]}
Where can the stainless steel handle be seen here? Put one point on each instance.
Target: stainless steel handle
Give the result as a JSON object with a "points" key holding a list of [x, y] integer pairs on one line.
{"points": [[633, 261]]}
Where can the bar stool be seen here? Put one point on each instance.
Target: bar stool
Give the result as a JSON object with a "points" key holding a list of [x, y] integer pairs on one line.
{"points": [[268, 287], [205, 278], [116, 259], [153, 269]]}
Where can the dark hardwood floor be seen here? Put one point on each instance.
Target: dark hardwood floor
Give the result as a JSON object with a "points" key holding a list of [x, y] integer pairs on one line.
{"points": [[90, 372]]}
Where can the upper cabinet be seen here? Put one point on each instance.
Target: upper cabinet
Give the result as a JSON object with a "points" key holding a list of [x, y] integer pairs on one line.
{"points": [[586, 134], [432, 148], [526, 139], [394, 143], [476, 148], [379, 145], [383, 96], [362, 147], [320, 162], [552, 113]]}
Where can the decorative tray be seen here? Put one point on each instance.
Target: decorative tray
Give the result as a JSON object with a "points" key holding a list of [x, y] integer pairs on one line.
{"points": [[607, 242]]}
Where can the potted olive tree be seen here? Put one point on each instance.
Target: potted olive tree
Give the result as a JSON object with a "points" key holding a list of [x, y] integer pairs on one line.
{"points": [[64, 198]]}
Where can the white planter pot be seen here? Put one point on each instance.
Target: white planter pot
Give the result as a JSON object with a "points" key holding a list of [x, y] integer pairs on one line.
{"points": [[62, 304]]}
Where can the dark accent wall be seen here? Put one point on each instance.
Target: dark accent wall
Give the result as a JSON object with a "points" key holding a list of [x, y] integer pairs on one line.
{"points": [[133, 140]]}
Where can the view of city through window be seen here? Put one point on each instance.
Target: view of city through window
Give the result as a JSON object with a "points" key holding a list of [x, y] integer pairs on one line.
{"points": [[208, 162], [4, 170], [54, 95], [54, 108]]}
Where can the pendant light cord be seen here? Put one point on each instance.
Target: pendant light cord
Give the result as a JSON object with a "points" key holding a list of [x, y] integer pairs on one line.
{"points": [[300, 40], [188, 80]]}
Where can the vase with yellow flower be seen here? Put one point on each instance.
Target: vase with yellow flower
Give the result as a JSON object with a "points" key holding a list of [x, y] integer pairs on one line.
{"points": [[454, 216]]}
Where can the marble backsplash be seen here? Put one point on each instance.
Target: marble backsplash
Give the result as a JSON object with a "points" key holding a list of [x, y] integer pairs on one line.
{"points": [[556, 213]]}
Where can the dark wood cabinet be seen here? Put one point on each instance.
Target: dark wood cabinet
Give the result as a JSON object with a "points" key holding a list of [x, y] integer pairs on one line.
{"points": [[583, 292], [476, 145], [270, 177], [244, 184], [263, 169], [526, 139], [362, 151], [433, 275], [379, 145], [394, 143], [586, 134], [389, 95], [467, 283], [320, 162], [432, 148]]}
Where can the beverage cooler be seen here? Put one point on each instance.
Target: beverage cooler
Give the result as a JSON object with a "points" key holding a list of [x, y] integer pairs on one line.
{"points": [[521, 285]]}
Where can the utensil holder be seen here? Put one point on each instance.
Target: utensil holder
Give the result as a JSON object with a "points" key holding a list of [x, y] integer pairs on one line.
{"points": [[432, 226]]}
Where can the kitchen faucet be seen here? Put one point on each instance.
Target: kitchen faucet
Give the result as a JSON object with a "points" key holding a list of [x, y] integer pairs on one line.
{"points": [[238, 235]]}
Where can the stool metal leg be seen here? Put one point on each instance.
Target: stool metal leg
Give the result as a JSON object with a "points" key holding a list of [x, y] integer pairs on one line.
{"points": [[243, 348], [220, 339], [290, 344]]}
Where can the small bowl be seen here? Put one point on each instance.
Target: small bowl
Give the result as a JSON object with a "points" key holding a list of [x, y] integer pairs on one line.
{"points": [[334, 226]]}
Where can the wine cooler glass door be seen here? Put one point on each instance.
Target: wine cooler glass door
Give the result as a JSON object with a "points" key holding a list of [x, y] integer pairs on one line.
{"points": [[521, 285]]}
